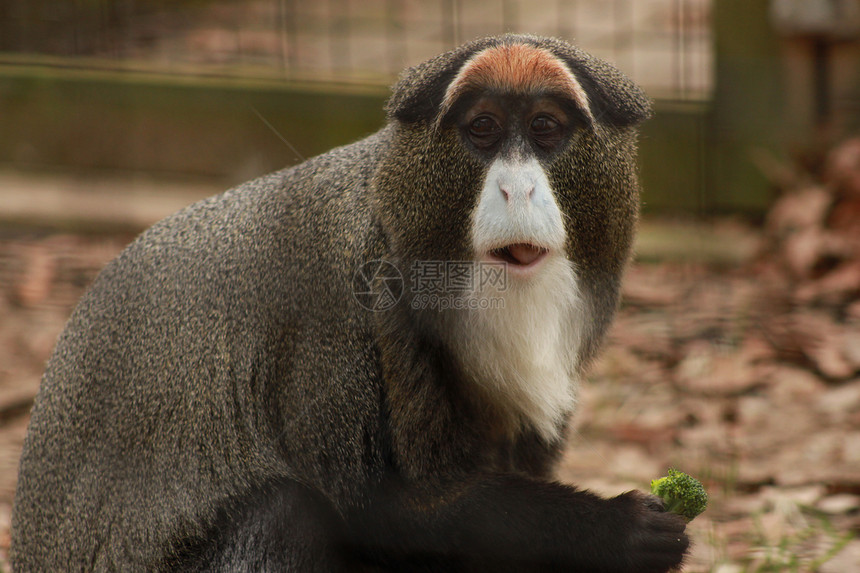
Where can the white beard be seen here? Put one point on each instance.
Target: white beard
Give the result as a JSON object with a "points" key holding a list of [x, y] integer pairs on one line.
{"points": [[521, 346]]}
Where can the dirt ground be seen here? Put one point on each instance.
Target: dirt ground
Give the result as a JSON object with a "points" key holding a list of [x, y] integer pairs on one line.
{"points": [[719, 369]]}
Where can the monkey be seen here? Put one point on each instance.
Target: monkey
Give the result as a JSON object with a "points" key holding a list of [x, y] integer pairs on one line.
{"points": [[223, 399]]}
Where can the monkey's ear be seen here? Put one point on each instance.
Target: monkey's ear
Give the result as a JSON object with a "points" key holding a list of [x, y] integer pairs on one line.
{"points": [[419, 93], [614, 99]]}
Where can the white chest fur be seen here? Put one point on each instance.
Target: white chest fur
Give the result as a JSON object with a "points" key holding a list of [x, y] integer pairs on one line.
{"points": [[521, 346]]}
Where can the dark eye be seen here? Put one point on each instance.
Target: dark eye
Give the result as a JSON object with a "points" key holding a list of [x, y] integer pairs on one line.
{"points": [[484, 131], [543, 124], [545, 130]]}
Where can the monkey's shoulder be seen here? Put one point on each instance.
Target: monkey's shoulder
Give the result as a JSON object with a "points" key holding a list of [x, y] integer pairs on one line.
{"points": [[296, 201], [295, 218], [270, 255]]}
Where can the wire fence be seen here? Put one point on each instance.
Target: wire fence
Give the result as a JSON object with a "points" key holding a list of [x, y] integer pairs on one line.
{"points": [[665, 45]]}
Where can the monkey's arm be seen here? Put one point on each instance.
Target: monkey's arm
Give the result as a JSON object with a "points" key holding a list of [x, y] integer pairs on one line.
{"points": [[509, 522]]}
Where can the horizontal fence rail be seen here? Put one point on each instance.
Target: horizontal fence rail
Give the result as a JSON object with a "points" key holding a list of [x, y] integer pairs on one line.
{"points": [[664, 45]]}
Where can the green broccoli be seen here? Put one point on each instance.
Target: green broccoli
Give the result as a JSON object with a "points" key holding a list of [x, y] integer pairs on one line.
{"points": [[683, 494]]}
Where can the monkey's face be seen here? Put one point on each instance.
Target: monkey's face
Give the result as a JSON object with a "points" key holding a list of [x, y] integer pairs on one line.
{"points": [[518, 109], [516, 219], [519, 150], [504, 154]]}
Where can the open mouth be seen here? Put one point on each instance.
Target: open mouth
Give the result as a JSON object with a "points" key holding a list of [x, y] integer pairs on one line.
{"points": [[519, 254]]}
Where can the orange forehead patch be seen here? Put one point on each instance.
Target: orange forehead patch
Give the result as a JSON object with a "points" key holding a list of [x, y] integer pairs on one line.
{"points": [[517, 69]]}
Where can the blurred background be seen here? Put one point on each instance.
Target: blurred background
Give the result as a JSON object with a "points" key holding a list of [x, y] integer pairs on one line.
{"points": [[737, 351]]}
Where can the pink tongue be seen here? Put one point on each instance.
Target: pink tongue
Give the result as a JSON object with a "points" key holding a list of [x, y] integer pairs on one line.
{"points": [[524, 254]]}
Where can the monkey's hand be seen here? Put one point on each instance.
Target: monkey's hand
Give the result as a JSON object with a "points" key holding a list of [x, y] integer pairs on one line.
{"points": [[654, 538], [516, 523]]}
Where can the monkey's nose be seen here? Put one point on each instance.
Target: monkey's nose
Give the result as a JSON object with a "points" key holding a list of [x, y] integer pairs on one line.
{"points": [[512, 193]]}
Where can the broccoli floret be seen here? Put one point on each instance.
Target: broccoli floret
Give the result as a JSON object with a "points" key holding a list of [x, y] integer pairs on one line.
{"points": [[683, 494]]}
